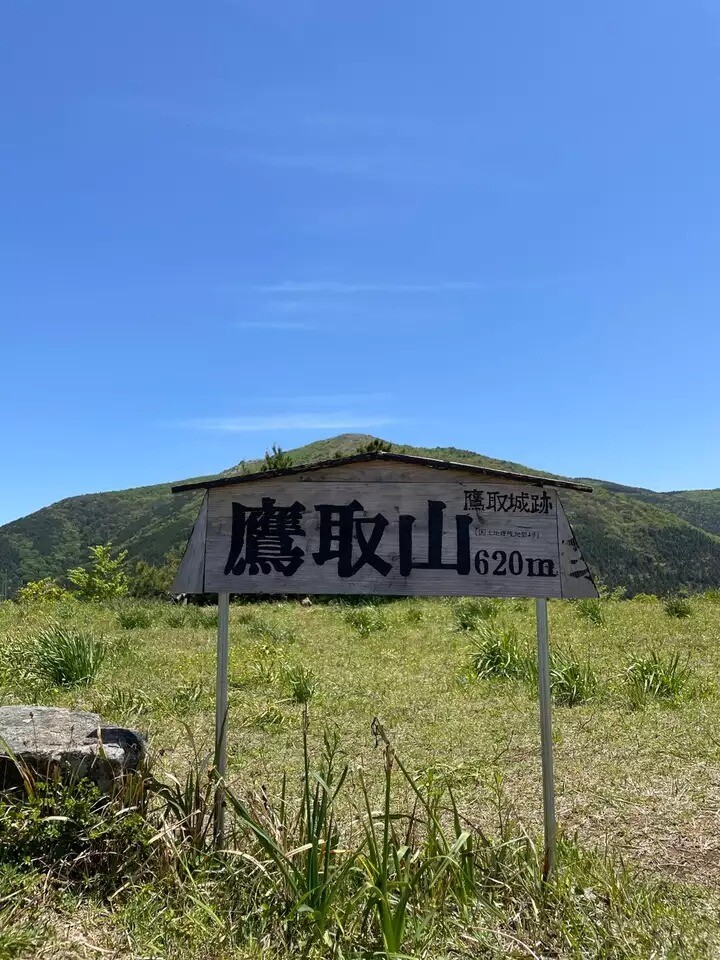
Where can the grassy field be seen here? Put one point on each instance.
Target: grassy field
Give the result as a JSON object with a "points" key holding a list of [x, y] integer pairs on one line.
{"points": [[637, 754]]}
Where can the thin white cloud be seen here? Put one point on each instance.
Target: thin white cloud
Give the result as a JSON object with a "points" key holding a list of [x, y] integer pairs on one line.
{"points": [[290, 421], [335, 287], [274, 325]]}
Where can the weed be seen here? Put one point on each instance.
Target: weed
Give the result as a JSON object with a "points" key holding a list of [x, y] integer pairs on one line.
{"points": [[271, 632], [268, 716], [66, 657], [203, 617], [656, 677], [176, 617], [678, 607], [303, 684], [470, 613], [592, 610], [134, 618], [498, 652], [571, 681], [366, 619]]}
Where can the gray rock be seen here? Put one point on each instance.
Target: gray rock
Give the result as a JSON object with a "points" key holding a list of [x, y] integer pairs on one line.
{"points": [[70, 744]]}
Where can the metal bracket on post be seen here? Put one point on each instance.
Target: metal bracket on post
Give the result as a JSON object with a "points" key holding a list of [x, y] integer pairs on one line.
{"points": [[543, 650], [221, 710]]}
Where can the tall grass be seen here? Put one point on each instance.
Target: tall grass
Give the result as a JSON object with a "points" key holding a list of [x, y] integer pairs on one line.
{"points": [[328, 866], [499, 652], [67, 657], [471, 613], [571, 681], [679, 607], [656, 677], [366, 619], [591, 609]]}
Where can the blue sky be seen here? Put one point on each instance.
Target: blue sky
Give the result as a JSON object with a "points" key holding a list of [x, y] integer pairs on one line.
{"points": [[494, 226]]}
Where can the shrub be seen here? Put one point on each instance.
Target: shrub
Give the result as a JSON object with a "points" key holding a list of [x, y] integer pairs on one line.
{"points": [[302, 682], [592, 610], [655, 676], [67, 657], [105, 580], [571, 681], [134, 618], [499, 653], [366, 619], [42, 591], [678, 607], [471, 612]]}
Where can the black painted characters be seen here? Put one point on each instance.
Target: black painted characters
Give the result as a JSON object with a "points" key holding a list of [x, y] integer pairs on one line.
{"points": [[263, 540]]}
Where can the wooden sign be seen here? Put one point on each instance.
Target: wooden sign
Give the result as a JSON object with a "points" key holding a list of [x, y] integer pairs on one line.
{"points": [[384, 524]]}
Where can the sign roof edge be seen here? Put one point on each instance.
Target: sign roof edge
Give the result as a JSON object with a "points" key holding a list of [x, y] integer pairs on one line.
{"points": [[389, 458]]}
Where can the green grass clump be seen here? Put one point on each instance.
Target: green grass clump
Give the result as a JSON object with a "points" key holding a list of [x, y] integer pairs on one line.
{"points": [[177, 617], [366, 619], [66, 657], [134, 618], [656, 677], [571, 681], [678, 607], [302, 683], [499, 652], [471, 613], [592, 610]]}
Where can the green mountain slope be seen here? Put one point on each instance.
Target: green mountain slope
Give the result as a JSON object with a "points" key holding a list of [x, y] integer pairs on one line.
{"points": [[642, 540], [699, 507]]}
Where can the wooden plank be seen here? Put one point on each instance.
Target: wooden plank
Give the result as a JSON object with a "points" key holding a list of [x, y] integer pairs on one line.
{"points": [[576, 579], [489, 539], [190, 577]]}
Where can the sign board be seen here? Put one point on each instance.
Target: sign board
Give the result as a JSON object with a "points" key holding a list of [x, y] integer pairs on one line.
{"points": [[384, 524]]}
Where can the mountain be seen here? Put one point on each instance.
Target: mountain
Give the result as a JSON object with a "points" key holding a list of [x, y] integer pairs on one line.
{"points": [[639, 539]]}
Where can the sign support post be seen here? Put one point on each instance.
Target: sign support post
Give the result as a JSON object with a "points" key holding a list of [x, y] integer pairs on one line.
{"points": [[221, 709], [543, 651]]}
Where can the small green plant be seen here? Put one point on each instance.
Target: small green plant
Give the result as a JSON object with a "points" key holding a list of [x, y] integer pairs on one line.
{"points": [[276, 459], [105, 579], [591, 609], [471, 613], [134, 618], [67, 657], [498, 652], [678, 607], [656, 677], [302, 683], [713, 594], [571, 681], [376, 445], [366, 619]]}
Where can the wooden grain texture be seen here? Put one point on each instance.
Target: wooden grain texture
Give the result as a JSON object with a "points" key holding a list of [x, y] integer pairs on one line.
{"points": [[190, 577], [576, 578], [509, 552]]}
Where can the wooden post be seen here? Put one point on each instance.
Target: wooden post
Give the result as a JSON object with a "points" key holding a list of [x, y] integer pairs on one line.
{"points": [[221, 710], [546, 743]]}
